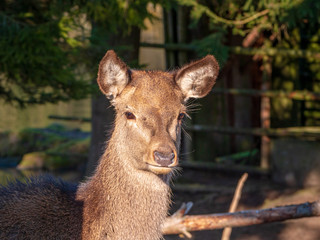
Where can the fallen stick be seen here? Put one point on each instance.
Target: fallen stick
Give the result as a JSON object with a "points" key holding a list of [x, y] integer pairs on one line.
{"points": [[189, 223], [234, 204]]}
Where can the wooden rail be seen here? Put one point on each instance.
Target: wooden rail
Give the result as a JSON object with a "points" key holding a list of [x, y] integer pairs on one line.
{"points": [[295, 95], [297, 132], [67, 118], [271, 132], [271, 52]]}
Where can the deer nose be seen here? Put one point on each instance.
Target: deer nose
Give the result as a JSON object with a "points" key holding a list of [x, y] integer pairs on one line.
{"points": [[164, 159]]}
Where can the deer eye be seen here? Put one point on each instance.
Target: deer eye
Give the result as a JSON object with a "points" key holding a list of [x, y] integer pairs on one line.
{"points": [[181, 116], [130, 115]]}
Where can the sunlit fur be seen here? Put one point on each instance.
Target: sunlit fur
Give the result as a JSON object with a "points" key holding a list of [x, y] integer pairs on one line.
{"points": [[128, 196]]}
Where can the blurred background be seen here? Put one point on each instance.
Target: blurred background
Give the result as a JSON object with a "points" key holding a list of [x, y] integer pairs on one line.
{"points": [[262, 117]]}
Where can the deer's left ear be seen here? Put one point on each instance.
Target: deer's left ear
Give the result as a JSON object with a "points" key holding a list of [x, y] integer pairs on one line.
{"points": [[197, 79]]}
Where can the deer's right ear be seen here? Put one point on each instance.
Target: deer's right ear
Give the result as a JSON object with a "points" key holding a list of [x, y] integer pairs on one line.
{"points": [[113, 75]]}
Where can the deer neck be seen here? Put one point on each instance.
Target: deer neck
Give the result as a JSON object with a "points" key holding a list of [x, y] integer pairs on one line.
{"points": [[123, 203]]}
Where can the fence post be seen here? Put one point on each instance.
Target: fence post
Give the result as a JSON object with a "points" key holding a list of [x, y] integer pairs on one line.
{"points": [[265, 113], [182, 33], [169, 36]]}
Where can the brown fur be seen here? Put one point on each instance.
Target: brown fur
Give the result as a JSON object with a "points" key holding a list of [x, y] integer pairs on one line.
{"points": [[129, 195]]}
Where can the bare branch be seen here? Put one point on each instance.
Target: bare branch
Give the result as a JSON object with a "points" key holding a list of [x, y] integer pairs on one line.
{"points": [[243, 218], [173, 223], [251, 38], [234, 204], [236, 22], [237, 194]]}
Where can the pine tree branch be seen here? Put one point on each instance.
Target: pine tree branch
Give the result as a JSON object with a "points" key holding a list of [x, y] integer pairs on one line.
{"points": [[7, 19]]}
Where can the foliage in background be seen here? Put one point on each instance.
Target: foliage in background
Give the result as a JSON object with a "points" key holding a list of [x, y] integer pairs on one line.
{"points": [[52, 147], [121, 15], [49, 47], [273, 20], [115, 18], [36, 53], [280, 24]]}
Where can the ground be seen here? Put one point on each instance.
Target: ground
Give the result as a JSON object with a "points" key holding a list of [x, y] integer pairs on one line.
{"points": [[258, 192]]}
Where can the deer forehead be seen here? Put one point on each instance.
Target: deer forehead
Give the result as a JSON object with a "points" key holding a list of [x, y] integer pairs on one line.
{"points": [[152, 92]]}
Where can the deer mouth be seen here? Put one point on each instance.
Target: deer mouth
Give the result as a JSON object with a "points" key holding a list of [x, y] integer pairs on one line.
{"points": [[160, 169]]}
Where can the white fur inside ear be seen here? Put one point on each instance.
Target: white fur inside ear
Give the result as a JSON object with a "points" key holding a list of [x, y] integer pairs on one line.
{"points": [[114, 74], [197, 78], [193, 82], [114, 78]]}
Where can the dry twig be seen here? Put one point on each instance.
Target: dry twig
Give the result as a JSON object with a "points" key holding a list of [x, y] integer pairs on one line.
{"points": [[234, 204]]}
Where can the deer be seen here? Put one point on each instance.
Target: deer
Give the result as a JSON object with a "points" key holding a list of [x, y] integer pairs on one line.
{"points": [[128, 196]]}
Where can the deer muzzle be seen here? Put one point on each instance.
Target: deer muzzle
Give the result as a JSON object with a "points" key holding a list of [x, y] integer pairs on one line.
{"points": [[164, 159]]}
